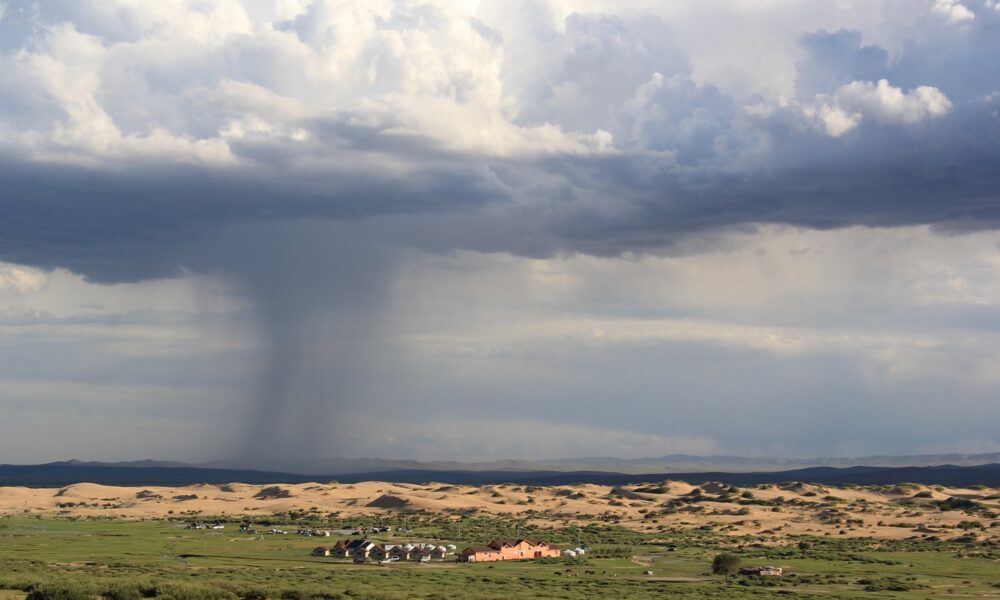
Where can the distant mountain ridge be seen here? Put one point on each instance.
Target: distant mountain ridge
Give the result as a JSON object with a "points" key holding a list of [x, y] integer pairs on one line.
{"points": [[692, 462], [674, 463], [67, 473]]}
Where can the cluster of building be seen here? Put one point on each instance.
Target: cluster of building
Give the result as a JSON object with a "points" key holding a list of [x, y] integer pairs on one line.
{"points": [[522, 549], [369, 551], [366, 550], [574, 552], [250, 530], [762, 571], [313, 533], [247, 528], [372, 530], [204, 526]]}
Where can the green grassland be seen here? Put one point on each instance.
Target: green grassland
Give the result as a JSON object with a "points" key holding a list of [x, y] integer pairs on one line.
{"points": [[129, 560]]}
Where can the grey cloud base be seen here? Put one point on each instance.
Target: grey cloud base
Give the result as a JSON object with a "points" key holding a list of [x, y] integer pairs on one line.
{"points": [[306, 153]]}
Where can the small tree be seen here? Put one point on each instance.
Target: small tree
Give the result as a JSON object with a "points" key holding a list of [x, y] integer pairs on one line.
{"points": [[804, 547], [725, 564]]}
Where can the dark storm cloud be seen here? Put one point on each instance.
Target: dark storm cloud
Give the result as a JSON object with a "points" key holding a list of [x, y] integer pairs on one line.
{"points": [[302, 155], [689, 158], [127, 226], [142, 224]]}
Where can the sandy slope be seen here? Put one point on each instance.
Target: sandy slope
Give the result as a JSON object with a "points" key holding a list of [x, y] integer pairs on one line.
{"points": [[811, 509]]}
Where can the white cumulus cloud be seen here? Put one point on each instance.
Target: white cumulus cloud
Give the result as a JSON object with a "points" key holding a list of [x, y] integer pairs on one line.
{"points": [[21, 280], [953, 10], [844, 109]]}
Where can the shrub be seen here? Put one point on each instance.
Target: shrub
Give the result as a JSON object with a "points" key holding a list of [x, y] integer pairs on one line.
{"points": [[123, 591], [886, 584], [957, 504], [61, 591], [174, 591], [725, 564]]}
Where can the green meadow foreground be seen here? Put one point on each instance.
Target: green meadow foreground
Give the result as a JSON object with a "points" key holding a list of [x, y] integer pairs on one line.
{"points": [[937, 543]]}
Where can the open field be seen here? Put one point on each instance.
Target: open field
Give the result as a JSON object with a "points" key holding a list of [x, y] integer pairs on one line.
{"points": [[905, 542]]}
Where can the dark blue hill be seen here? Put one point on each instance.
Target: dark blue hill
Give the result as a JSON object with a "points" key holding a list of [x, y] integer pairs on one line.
{"points": [[61, 474]]}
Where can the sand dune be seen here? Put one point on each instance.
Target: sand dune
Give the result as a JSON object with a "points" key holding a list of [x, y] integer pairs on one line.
{"points": [[767, 511]]}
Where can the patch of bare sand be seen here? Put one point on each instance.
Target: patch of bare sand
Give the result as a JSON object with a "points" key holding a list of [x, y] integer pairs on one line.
{"points": [[773, 513]]}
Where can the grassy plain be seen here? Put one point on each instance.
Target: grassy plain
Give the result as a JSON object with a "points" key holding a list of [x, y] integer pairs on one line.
{"points": [[73, 557]]}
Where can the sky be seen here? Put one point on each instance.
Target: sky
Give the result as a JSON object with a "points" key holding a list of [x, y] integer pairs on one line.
{"points": [[443, 229]]}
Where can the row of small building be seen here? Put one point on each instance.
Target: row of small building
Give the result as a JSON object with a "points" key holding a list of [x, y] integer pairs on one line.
{"points": [[766, 571], [366, 550], [497, 550]]}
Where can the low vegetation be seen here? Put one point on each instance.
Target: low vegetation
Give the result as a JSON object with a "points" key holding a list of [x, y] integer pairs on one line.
{"points": [[668, 540]]}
